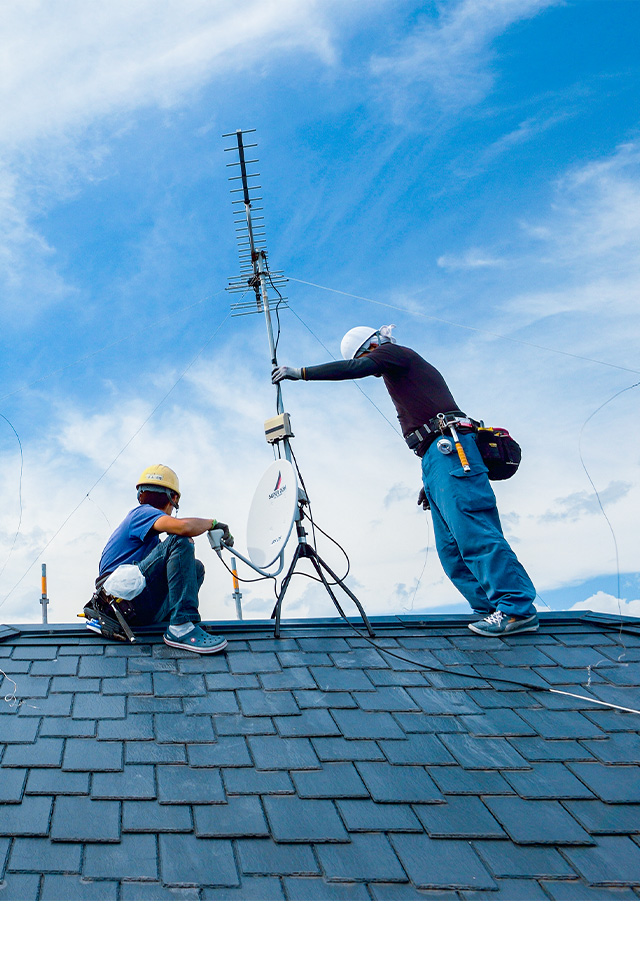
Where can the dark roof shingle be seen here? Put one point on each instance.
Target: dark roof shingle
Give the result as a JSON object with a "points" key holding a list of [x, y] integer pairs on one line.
{"points": [[315, 767]]}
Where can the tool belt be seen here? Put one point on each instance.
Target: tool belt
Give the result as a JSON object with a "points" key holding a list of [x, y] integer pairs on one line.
{"points": [[421, 438], [500, 453], [106, 615]]}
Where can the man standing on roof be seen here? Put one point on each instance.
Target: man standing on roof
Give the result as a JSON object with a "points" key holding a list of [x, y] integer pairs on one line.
{"points": [[469, 538], [172, 572]]}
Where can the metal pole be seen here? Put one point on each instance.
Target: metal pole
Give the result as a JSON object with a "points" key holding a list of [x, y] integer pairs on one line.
{"points": [[237, 594], [44, 601], [258, 260]]}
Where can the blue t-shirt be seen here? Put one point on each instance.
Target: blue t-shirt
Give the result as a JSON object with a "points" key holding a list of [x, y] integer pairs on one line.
{"points": [[132, 540]]}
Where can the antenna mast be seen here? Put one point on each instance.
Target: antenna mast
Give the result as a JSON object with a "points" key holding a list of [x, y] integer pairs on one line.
{"points": [[255, 274]]}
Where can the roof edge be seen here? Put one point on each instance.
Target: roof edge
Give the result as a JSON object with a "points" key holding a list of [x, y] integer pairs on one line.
{"points": [[557, 618]]}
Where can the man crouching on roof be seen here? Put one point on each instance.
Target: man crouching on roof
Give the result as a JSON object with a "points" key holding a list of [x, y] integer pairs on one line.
{"points": [[173, 575]]}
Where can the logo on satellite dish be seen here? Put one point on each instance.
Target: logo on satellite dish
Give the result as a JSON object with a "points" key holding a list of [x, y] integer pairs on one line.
{"points": [[279, 489]]}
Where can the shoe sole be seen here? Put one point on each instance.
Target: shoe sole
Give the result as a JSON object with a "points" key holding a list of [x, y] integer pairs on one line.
{"points": [[190, 646], [523, 629]]}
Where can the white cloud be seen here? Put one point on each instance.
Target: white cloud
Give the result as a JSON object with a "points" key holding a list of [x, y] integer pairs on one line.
{"points": [[362, 481], [75, 74], [610, 605], [473, 258], [526, 131], [452, 56], [25, 256], [603, 198], [67, 64], [580, 502], [578, 258]]}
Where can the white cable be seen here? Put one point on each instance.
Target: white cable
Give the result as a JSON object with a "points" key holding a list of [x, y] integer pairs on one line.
{"points": [[581, 697], [12, 699]]}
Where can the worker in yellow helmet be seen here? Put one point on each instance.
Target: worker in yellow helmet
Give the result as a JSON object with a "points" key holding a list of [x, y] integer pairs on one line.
{"points": [[173, 575]]}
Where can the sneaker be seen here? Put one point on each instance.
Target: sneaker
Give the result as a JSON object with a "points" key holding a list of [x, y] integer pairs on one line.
{"points": [[196, 639], [499, 624]]}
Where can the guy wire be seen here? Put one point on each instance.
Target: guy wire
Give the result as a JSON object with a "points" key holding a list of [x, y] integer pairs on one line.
{"points": [[115, 459], [604, 514], [370, 400], [101, 350], [415, 591], [600, 504], [15, 537], [462, 326]]}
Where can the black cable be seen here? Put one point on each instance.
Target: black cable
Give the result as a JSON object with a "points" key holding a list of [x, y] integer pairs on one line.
{"points": [[308, 501], [277, 313], [315, 525], [456, 673], [280, 300]]}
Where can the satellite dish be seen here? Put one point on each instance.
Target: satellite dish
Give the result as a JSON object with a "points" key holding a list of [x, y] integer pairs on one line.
{"points": [[272, 513]]}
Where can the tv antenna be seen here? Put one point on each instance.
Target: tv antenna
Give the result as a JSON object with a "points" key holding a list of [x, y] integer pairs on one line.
{"points": [[255, 274]]}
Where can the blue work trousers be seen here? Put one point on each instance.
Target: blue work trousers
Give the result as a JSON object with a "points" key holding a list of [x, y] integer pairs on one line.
{"points": [[174, 576], [469, 538]]}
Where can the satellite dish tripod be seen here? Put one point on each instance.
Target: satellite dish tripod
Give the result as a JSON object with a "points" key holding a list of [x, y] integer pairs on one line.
{"points": [[305, 550], [255, 275]]}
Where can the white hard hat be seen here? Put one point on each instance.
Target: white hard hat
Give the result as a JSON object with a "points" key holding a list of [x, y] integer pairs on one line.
{"points": [[354, 339]]}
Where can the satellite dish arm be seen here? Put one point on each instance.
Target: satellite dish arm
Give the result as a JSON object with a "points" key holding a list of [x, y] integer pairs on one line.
{"points": [[216, 542]]}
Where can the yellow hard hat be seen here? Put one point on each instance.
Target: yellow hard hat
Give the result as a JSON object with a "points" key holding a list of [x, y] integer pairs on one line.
{"points": [[159, 475]]}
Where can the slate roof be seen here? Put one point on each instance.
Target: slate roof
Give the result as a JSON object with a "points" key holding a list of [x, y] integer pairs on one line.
{"points": [[315, 767]]}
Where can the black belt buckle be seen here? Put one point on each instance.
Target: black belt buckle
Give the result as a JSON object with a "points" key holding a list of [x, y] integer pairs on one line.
{"points": [[420, 439], [413, 440]]}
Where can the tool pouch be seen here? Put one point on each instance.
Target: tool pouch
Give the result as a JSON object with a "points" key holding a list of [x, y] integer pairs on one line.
{"points": [[500, 453], [108, 616]]}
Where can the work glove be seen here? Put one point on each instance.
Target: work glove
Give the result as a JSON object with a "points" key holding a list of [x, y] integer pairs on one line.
{"points": [[227, 537], [280, 373], [422, 500]]}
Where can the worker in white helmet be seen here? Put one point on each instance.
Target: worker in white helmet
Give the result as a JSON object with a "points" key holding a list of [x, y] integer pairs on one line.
{"points": [[173, 575], [471, 545]]}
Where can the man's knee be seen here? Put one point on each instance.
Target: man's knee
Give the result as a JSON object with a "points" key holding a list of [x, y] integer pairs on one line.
{"points": [[199, 572]]}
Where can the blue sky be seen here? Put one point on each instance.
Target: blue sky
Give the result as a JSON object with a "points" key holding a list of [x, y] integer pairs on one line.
{"points": [[473, 165]]}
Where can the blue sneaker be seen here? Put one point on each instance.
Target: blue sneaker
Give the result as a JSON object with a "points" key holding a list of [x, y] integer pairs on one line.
{"points": [[197, 640], [500, 624]]}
